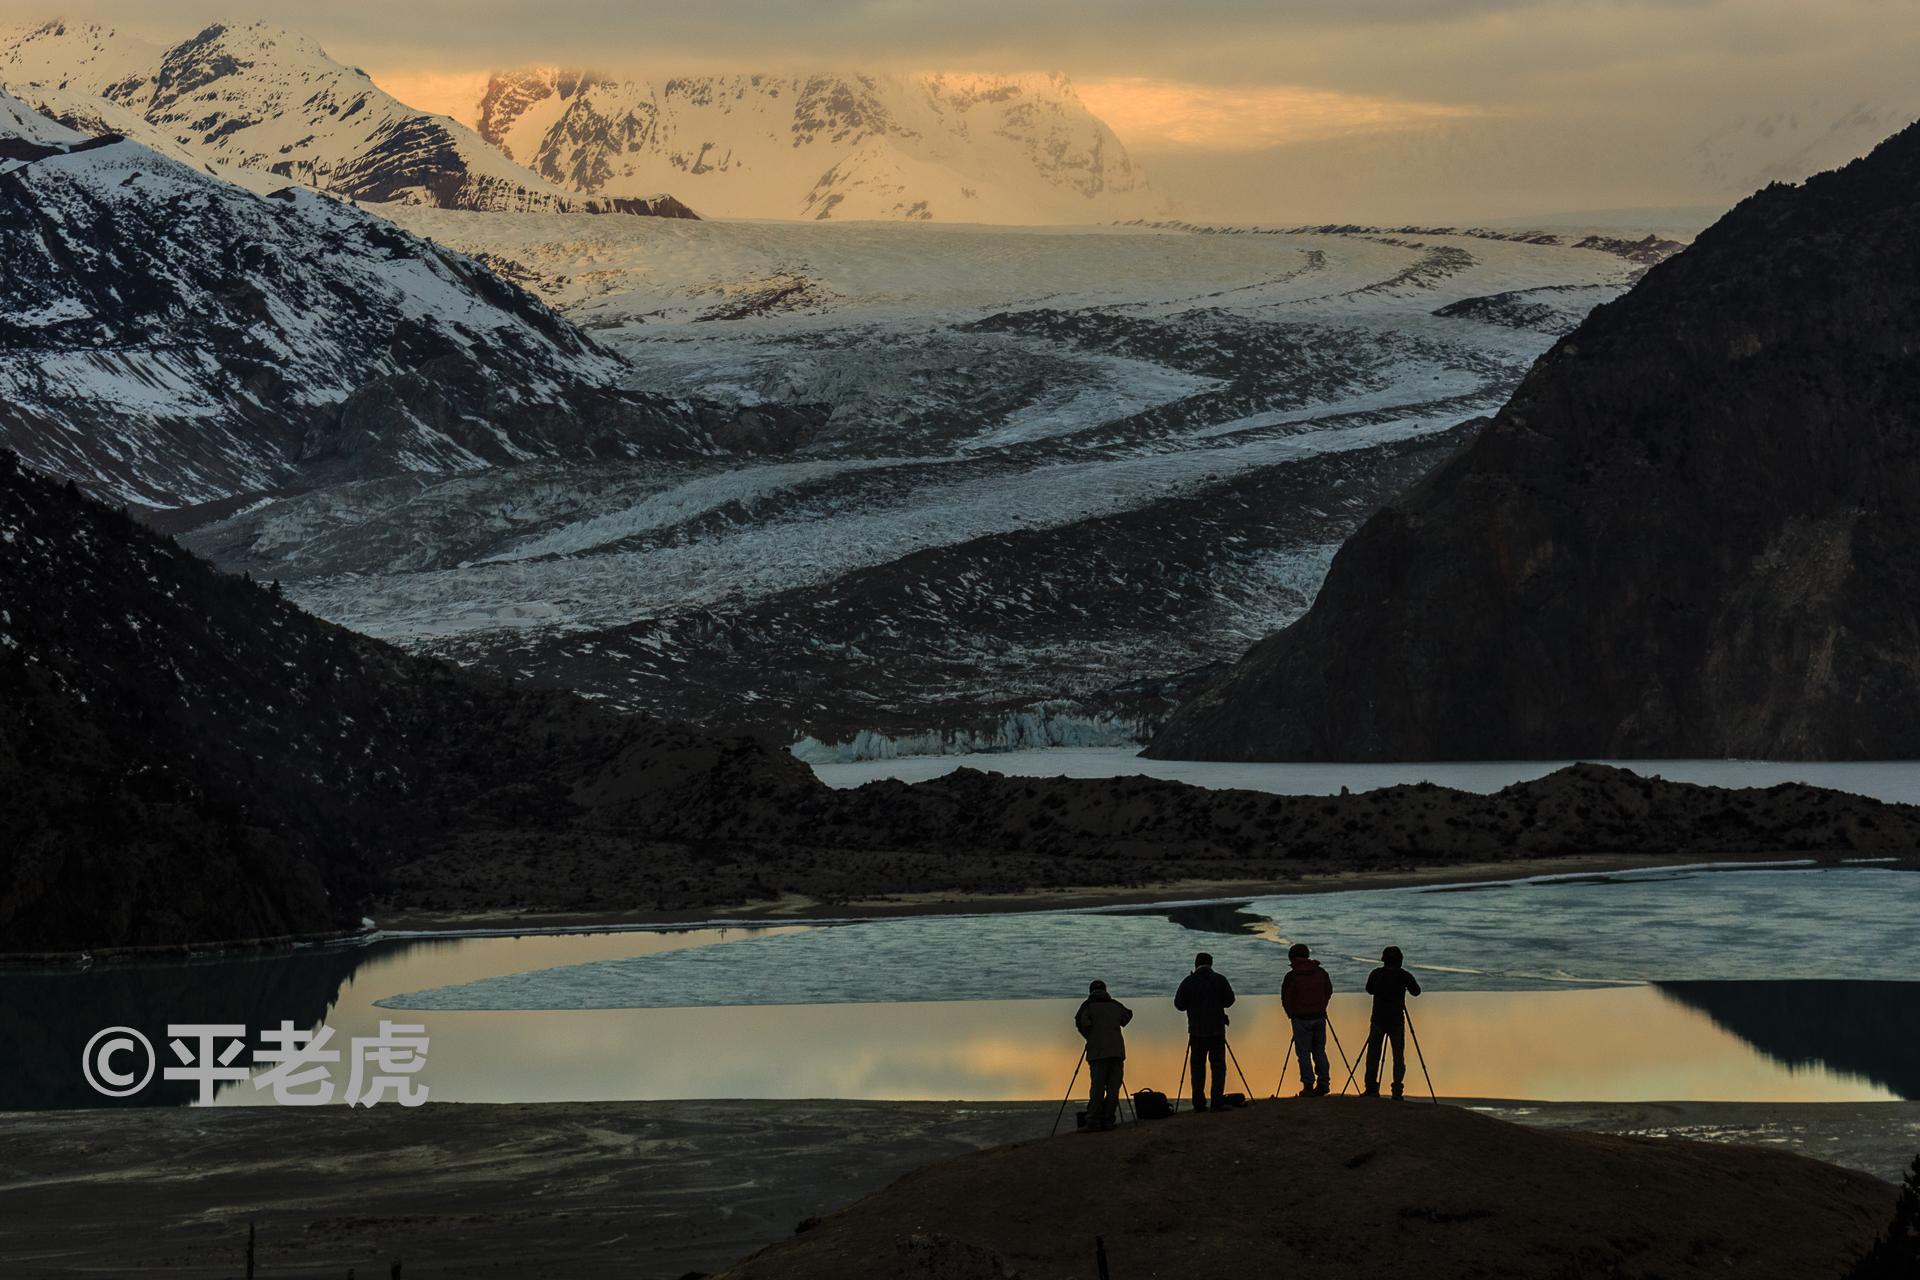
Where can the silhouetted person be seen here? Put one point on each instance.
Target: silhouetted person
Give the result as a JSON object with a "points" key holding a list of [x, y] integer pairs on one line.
{"points": [[1204, 996], [1390, 985], [1304, 994], [1099, 1019]]}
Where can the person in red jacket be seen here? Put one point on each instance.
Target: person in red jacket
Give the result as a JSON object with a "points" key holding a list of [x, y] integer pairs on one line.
{"points": [[1304, 994]]}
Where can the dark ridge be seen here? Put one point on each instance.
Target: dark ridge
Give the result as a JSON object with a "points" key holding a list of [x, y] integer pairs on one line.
{"points": [[185, 756], [1691, 532]]}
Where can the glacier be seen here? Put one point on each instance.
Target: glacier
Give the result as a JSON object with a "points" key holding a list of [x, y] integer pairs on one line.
{"points": [[1059, 473]]}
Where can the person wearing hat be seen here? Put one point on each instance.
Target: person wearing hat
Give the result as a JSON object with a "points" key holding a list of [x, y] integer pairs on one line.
{"points": [[1099, 1020], [1204, 996], [1304, 994], [1389, 985]]}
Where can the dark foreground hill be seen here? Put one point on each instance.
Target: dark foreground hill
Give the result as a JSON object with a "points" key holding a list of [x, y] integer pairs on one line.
{"points": [[1340, 1188], [186, 757], [1691, 532]]}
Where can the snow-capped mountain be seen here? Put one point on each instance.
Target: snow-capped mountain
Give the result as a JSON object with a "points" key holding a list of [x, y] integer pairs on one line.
{"points": [[26, 135], [1009, 149], [93, 116], [258, 98], [170, 338]]}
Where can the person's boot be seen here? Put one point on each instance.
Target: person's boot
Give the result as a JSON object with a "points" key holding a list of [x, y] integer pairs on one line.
{"points": [[1398, 1090], [1321, 1090], [1308, 1091], [1371, 1091]]}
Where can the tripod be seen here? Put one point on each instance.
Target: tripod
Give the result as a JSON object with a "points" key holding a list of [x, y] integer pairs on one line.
{"points": [[1344, 1060], [1078, 1063], [1061, 1113], [1423, 1060], [1187, 1057], [1383, 1053]]}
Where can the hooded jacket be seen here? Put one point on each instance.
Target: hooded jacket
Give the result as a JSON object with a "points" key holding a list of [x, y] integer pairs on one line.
{"points": [[1099, 1019], [1306, 989]]}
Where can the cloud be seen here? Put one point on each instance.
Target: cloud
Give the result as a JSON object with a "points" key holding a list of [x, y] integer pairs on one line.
{"points": [[1156, 114], [437, 89], [1460, 52]]}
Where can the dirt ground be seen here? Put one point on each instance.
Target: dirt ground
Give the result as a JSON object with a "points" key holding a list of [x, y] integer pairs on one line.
{"points": [[655, 1189], [1343, 1187], [637, 1189]]}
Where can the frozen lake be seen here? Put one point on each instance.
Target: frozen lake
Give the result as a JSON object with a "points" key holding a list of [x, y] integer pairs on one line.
{"points": [[1762, 985], [1530, 935], [1893, 780]]}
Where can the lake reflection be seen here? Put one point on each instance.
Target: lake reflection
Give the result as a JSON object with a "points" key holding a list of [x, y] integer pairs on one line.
{"points": [[47, 1017], [1596, 1045], [1810, 1040]]}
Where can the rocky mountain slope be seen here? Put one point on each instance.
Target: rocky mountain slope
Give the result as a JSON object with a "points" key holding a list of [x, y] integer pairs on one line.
{"points": [[1689, 533], [170, 338], [269, 101], [26, 135], [185, 756], [1019, 149]]}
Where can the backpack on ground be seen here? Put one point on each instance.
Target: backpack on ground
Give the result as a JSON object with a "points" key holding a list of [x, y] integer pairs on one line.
{"points": [[1151, 1104]]}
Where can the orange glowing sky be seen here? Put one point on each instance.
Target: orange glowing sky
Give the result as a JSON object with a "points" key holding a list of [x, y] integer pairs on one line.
{"points": [[1161, 114], [1146, 113]]}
